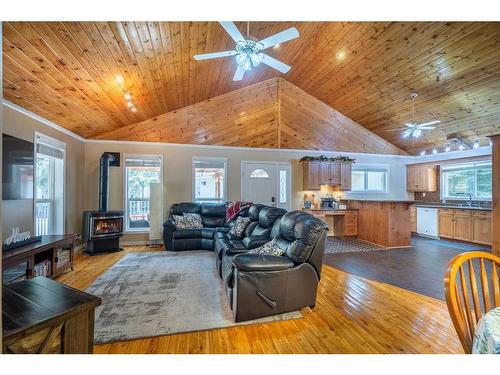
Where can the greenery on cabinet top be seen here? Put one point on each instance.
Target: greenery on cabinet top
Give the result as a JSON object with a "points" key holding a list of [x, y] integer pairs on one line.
{"points": [[325, 158]]}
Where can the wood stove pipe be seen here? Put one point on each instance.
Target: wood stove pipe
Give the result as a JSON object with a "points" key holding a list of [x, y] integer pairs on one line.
{"points": [[104, 181]]}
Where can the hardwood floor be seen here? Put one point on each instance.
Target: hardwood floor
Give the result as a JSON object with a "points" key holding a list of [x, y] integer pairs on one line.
{"points": [[352, 315]]}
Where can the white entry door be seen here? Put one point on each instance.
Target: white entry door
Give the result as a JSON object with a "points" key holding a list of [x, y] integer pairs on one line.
{"points": [[266, 183]]}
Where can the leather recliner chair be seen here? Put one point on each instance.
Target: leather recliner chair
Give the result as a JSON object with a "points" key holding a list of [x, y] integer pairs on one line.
{"points": [[263, 285], [213, 217], [256, 234]]}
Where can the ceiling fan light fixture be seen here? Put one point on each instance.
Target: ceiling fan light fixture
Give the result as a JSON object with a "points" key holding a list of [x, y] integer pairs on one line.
{"points": [[417, 133]]}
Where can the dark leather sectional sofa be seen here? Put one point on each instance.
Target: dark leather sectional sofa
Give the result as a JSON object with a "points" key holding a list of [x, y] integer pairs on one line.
{"points": [[257, 285]]}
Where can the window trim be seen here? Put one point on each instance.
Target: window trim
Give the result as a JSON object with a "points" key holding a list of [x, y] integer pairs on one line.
{"points": [[126, 229], [63, 145], [474, 164], [224, 185], [371, 168]]}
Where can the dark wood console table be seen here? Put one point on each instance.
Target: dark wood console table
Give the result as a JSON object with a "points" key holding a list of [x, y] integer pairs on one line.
{"points": [[41, 315], [49, 257]]}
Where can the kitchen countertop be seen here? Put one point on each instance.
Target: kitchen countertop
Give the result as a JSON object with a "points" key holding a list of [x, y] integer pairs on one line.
{"points": [[444, 205]]}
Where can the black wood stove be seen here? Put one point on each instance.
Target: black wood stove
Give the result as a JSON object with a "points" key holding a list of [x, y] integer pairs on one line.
{"points": [[102, 229]]}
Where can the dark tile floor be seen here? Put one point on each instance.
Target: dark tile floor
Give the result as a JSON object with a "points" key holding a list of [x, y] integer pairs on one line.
{"points": [[420, 268]]}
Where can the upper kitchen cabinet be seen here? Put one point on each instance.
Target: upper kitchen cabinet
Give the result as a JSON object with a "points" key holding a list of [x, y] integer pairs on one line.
{"points": [[332, 173], [421, 177]]}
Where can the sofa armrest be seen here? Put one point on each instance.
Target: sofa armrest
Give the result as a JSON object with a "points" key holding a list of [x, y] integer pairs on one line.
{"points": [[170, 224], [254, 241], [258, 262]]}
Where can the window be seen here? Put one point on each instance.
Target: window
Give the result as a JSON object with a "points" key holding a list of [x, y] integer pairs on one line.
{"points": [[140, 172], [460, 180], [369, 178], [49, 185], [209, 179], [259, 173]]}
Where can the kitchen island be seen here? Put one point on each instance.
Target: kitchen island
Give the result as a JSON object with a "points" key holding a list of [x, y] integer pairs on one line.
{"points": [[385, 223]]}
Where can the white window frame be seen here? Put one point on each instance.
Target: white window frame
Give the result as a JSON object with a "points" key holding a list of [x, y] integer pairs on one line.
{"points": [[62, 145], [193, 182], [125, 187], [372, 168], [474, 164]]}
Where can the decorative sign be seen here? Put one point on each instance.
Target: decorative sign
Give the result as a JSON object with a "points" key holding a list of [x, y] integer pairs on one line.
{"points": [[17, 239]]}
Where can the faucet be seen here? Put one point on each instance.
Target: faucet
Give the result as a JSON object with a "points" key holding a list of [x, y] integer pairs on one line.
{"points": [[470, 199]]}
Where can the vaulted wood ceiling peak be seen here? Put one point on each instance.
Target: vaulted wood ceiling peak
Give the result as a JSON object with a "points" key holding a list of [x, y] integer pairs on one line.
{"points": [[272, 114], [66, 72]]}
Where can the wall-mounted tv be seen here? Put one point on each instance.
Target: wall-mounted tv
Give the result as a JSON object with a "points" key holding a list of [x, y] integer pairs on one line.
{"points": [[17, 168]]}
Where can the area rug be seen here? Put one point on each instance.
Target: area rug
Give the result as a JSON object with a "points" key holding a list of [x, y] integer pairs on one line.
{"points": [[335, 245], [161, 293]]}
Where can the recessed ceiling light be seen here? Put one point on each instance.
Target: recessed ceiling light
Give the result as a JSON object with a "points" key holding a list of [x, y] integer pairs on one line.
{"points": [[476, 144], [277, 46], [434, 150], [133, 109], [119, 79], [127, 96], [340, 55], [422, 153], [130, 104]]}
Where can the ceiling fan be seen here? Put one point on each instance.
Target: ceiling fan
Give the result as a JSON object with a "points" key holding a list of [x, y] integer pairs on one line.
{"points": [[413, 129], [248, 52]]}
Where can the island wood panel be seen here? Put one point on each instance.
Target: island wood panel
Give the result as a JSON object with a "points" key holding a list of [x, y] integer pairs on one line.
{"points": [[452, 65], [385, 223], [273, 114], [379, 318]]}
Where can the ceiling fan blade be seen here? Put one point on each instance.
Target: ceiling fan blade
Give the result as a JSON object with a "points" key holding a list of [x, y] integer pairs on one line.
{"points": [[428, 123], [281, 37], [214, 55], [238, 76], [409, 124], [276, 64], [407, 133], [396, 130], [426, 127], [232, 30]]}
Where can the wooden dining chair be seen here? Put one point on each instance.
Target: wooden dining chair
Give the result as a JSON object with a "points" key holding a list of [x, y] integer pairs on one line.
{"points": [[461, 291]]}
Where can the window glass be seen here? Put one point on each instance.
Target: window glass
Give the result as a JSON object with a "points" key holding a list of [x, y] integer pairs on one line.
{"points": [[140, 172], [460, 180], [358, 181], [283, 186], [209, 180], [49, 185], [369, 178], [259, 173]]}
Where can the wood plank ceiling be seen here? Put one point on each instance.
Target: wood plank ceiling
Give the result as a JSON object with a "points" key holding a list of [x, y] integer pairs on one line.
{"points": [[67, 72]]}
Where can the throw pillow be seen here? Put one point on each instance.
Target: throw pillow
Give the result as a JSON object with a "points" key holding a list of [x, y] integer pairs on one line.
{"points": [[193, 221], [269, 248], [239, 226], [180, 222]]}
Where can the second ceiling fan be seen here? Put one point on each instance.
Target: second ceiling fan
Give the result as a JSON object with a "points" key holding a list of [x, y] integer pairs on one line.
{"points": [[249, 53]]}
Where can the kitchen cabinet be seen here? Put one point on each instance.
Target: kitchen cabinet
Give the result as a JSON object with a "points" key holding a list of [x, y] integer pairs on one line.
{"points": [[317, 173], [481, 227], [465, 225], [345, 175], [312, 175], [420, 178], [446, 223]]}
